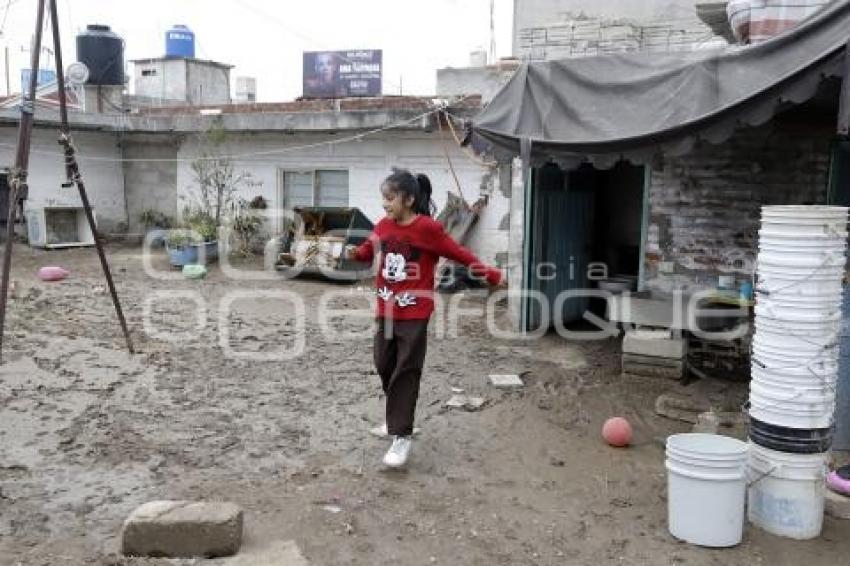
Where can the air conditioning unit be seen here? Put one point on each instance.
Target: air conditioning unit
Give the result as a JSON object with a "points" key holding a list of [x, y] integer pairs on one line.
{"points": [[58, 227]]}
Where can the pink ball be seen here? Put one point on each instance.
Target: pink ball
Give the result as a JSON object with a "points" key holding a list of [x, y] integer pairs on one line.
{"points": [[617, 432]]}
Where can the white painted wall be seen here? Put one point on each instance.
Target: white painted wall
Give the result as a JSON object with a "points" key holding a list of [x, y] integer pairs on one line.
{"points": [[104, 180], [368, 162], [184, 80]]}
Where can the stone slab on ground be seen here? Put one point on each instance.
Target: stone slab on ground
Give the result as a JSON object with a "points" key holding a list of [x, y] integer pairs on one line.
{"points": [[681, 408], [837, 505], [273, 553], [183, 529], [658, 346], [511, 381]]}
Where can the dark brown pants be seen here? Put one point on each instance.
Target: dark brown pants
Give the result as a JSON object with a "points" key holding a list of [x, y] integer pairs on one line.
{"points": [[400, 347]]}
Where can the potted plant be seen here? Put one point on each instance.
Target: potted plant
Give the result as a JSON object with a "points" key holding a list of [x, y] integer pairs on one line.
{"points": [[247, 223], [212, 199], [156, 224], [196, 239]]}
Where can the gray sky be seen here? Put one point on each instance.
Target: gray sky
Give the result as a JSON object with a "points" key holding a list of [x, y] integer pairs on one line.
{"points": [[265, 38]]}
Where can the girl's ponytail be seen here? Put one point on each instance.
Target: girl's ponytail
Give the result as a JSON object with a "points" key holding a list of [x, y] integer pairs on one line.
{"points": [[424, 204]]}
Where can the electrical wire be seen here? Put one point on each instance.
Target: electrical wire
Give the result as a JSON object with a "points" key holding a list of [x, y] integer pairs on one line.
{"points": [[249, 155]]}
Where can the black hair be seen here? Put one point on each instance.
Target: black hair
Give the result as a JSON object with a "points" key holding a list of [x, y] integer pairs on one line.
{"points": [[417, 186]]}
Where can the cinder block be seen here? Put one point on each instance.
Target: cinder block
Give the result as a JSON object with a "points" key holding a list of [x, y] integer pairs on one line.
{"points": [[183, 529], [837, 505], [657, 347]]}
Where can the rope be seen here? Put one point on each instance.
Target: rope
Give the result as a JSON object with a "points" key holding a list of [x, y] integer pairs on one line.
{"points": [[466, 151], [446, 153]]}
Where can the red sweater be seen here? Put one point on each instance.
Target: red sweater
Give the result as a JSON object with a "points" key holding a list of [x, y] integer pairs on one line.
{"points": [[408, 259]]}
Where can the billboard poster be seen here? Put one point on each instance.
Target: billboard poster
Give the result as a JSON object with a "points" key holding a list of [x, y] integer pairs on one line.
{"points": [[340, 74]]}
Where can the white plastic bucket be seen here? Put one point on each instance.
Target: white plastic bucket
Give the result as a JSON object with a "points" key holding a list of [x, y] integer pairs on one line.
{"points": [[805, 327], [786, 494], [802, 376], [793, 303], [706, 488], [791, 340], [801, 212], [790, 414], [795, 348], [797, 316], [821, 395]]}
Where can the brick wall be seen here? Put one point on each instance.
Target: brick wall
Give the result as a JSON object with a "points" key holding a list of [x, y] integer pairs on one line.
{"points": [[705, 207]]}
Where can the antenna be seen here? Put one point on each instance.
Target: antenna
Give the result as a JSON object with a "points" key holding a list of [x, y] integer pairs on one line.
{"points": [[492, 31]]}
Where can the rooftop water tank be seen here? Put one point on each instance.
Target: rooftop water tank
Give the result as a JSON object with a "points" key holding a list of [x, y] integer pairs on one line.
{"points": [[180, 42], [102, 51]]}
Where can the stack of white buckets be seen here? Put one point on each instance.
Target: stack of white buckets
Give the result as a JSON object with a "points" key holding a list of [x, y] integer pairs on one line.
{"points": [[781, 470], [800, 270]]}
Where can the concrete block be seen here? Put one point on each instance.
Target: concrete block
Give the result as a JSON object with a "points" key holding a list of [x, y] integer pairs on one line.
{"points": [[676, 363], [837, 505], [183, 529], [651, 371], [505, 381], [653, 367], [642, 344], [680, 408]]}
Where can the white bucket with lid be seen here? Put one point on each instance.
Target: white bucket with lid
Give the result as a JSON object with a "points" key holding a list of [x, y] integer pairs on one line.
{"points": [[786, 493], [706, 488]]}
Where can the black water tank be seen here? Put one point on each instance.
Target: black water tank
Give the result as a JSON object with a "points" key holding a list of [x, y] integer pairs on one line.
{"points": [[103, 53]]}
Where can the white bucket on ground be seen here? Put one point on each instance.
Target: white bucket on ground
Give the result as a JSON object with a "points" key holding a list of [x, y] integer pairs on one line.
{"points": [[706, 487], [786, 494]]}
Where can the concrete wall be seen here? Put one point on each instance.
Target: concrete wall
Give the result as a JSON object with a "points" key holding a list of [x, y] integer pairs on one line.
{"points": [[207, 84], [705, 207], [167, 83], [486, 81], [554, 29], [100, 164], [149, 184], [368, 162], [182, 80]]}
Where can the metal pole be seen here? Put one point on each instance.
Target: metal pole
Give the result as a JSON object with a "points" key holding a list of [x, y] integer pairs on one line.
{"points": [[72, 169], [844, 100], [17, 184]]}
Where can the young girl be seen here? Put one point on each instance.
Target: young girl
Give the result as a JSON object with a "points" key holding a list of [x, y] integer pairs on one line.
{"points": [[408, 244]]}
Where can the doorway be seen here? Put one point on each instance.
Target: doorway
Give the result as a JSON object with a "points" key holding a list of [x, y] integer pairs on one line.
{"points": [[584, 226]]}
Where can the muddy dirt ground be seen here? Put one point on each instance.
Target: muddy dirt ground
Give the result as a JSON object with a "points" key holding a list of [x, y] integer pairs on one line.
{"points": [[88, 432]]}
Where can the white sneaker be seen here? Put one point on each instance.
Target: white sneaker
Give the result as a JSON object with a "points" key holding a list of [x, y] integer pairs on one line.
{"points": [[399, 452], [383, 432]]}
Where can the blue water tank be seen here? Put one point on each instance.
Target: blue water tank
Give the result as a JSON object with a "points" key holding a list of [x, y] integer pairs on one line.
{"points": [[179, 42]]}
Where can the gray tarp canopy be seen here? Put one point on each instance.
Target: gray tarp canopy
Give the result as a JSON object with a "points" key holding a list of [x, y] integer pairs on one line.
{"points": [[632, 105]]}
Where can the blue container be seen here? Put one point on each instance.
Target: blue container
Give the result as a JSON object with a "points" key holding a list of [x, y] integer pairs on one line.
{"points": [[190, 254], [180, 42]]}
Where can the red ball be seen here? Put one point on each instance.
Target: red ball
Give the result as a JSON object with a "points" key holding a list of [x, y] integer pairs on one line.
{"points": [[617, 432]]}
